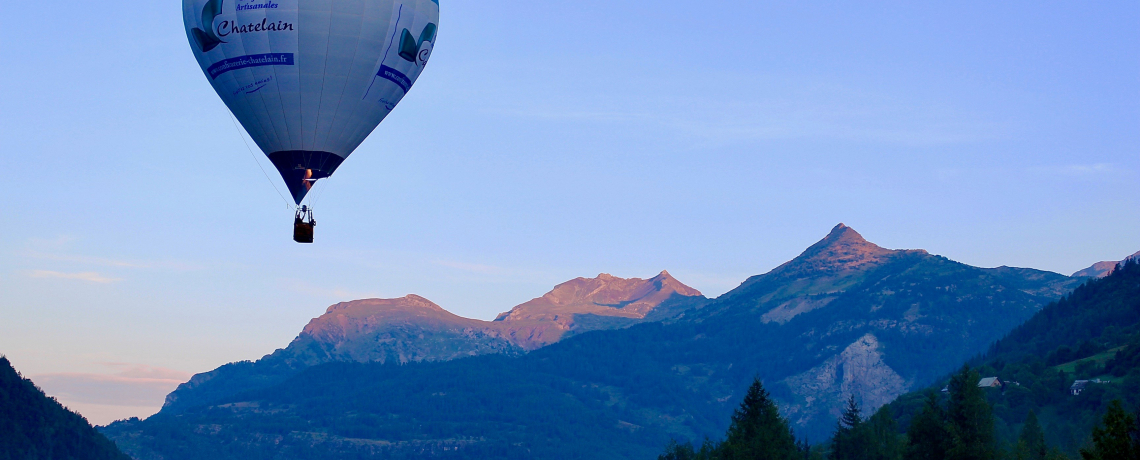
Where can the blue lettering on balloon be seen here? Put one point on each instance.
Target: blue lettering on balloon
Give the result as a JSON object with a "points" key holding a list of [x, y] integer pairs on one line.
{"points": [[253, 60], [254, 87], [257, 6], [396, 77]]}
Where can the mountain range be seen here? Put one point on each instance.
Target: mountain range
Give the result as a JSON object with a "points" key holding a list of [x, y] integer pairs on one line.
{"points": [[413, 329], [600, 367]]}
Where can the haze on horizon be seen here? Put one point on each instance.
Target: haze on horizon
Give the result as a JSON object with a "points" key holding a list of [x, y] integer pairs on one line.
{"points": [[565, 140]]}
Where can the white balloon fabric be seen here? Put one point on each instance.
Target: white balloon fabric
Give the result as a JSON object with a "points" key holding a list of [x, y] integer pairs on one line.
{"points": [[310, 79]]}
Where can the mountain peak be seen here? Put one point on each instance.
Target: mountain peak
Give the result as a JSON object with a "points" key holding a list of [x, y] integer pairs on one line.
{"points": [[360, 316], [842, 249], [843, 234], [605, 295], [410, 301], [664, 280], [1103, 269], [825, 269]]}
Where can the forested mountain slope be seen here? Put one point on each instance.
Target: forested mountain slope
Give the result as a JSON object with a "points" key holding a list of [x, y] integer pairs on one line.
{"points": [[34, 426], [1066, 363]]}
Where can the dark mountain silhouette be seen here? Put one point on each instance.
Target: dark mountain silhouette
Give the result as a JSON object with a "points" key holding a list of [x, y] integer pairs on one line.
{"points": [[845, 317], [34, 426]]}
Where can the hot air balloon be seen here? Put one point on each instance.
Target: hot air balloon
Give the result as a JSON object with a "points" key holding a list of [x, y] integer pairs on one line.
{"points": [[309, 80]]}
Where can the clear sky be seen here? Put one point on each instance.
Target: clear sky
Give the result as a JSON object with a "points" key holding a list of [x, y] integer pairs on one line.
{"points": [[546, 140]]}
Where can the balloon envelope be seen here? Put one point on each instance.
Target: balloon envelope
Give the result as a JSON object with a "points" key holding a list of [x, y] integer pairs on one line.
{"points": [[310, 79]]}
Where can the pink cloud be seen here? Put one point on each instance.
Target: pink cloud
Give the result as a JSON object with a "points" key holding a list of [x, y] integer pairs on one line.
{"points": [[82, 276], [136, 389]]}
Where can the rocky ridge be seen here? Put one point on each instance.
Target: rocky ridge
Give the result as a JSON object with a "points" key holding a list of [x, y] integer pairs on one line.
{"points": [[815, 278], [414, 329], [549, 318], [859, 369], [1103, 269], [367, 330]]}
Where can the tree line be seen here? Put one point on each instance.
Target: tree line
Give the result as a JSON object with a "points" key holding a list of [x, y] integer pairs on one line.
{"points": [[956, 426]]}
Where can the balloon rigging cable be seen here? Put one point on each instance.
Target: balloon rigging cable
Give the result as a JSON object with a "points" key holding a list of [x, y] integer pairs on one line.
{"points": [[251, 155], [320, 193]]}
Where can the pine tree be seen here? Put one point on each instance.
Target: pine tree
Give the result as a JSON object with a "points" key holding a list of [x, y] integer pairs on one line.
{"points": [[883, 436], [928, 437], [686, 451], [758, 432], [852, 416], [1031, 442], [970, 419], [876, 438], [675, 451], [1115, 440], [807, 452], [849, 440]]}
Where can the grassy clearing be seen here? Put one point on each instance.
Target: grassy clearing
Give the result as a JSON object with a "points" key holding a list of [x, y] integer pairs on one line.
{"points": [[1071, 366]]}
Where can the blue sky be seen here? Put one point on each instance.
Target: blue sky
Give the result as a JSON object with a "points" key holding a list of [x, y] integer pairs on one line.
{"points": [[546, 140]]}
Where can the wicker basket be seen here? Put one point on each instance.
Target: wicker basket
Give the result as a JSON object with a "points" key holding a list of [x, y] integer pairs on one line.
{"points": [[302, 231]]}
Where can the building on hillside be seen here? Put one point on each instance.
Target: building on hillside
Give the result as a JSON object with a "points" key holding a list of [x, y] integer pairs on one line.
{"points": [[1078, 387], [988, 382]]}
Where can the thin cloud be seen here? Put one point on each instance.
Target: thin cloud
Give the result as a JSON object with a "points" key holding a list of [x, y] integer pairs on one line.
{"points": [[55, 244], [91, 277], [132, 390], [335, 293], [764, 123], [143, 371], [1078, 170], [61, 249], [496, 274], [474, 268], [798, 112], [109, 262]]}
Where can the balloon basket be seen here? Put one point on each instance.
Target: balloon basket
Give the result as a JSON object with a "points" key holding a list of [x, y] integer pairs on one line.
{"points": [[302, 232], [303, 225]]}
